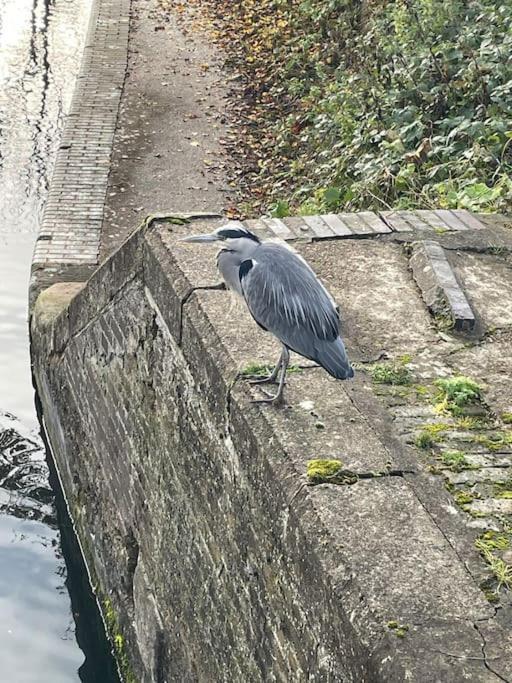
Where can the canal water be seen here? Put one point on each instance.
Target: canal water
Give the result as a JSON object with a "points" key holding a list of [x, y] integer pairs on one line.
{"points": [[49, 628]]}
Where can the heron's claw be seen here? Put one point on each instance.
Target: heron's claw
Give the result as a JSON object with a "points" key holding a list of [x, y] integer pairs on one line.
{"points": [[274, 399], [257, 379]]}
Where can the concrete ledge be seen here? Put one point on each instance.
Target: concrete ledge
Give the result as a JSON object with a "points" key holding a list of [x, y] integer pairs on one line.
{"points": [[217, 559]]}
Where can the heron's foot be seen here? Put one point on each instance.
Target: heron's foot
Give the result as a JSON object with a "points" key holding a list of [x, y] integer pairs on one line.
{"points": [[273, 399]]}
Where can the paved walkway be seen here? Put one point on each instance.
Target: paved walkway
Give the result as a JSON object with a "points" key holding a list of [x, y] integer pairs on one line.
{"points": [[167, 154], [142, 135]]}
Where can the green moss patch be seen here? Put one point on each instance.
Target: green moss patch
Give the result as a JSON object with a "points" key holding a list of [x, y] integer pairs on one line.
{"points": [[492, 540], [320, 471], [421, 390], [118, 642], [433, 433], [398, 629], [464, 498], [424, 440], [329, 472], [495, 441], [456, 461], [470, 423], [395, 374]]}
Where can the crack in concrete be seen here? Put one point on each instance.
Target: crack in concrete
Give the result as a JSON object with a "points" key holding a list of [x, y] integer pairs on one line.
{"points": [[487, 659], [349, 478], [497, 251]]}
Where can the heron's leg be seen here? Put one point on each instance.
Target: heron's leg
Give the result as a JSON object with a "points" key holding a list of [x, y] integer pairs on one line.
{"points": [[277, 399], [271, 379]]}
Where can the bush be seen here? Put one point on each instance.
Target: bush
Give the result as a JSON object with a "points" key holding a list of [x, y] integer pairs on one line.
{"points": [[357, 105]]}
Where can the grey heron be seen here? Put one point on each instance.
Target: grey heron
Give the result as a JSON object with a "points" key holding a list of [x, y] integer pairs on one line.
{"points": [[284, 296]]}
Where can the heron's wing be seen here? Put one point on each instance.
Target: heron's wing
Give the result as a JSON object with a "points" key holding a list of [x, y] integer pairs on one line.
{"points": [[285, 297]]}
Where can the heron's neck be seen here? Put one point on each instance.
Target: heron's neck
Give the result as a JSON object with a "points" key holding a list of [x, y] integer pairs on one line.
{"points": [[247, 250]]}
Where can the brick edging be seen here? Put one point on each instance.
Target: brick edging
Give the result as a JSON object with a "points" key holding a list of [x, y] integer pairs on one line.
{"points": [[71, 226]]}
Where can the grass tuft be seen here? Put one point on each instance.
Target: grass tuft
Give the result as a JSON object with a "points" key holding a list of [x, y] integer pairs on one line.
{"points": [[456, 394], [396, 374]]}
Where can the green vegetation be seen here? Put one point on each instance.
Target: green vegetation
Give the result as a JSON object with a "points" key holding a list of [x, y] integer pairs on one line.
{"points": [[487, 544], [263, 370], [351, 105], [432, 433], [506, 418], [456, 394], [421, 390], [470, 423], [456, 461], [503, 489], [329, 472], [398, 629], [495, 441], [256, 370], [320, 471], [118, 641], [463, 498], [444, 322], [492, 540], [424, 440], [396, 374]]}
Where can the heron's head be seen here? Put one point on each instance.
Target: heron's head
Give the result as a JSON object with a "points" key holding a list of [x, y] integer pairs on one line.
{"points": [[233, 236]]}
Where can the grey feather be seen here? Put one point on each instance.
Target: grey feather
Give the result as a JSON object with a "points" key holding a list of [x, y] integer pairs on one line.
{"points": [[285, 297], [228, 263]]}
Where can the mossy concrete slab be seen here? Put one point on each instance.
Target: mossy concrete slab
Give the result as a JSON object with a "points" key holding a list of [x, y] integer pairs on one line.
{"points": [[376, 273], [491, 364]]}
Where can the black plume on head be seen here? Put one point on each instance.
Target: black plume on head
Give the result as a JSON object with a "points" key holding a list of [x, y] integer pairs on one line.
{"points": [[234, 233]]}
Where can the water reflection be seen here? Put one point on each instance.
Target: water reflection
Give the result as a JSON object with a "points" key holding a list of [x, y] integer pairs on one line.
{"points": [[35, 637], [41, 43], [37, 627]]}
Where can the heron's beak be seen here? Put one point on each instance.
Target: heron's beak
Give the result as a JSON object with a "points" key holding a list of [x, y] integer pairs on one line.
{"points": [[200, 238]]}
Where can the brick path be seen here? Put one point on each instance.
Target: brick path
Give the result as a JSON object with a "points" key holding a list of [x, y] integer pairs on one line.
{"points": [[72, 219]]}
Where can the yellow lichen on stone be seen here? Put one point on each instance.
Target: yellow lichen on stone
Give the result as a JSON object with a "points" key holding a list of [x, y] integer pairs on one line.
{"points": [[319, 471]]}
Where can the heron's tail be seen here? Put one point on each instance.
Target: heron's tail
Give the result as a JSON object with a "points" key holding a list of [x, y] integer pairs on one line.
{"points": [[331, 355]]}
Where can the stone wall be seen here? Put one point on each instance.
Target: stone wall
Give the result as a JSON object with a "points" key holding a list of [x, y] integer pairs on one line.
{"points": [[183, 518], [211, 557]]}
